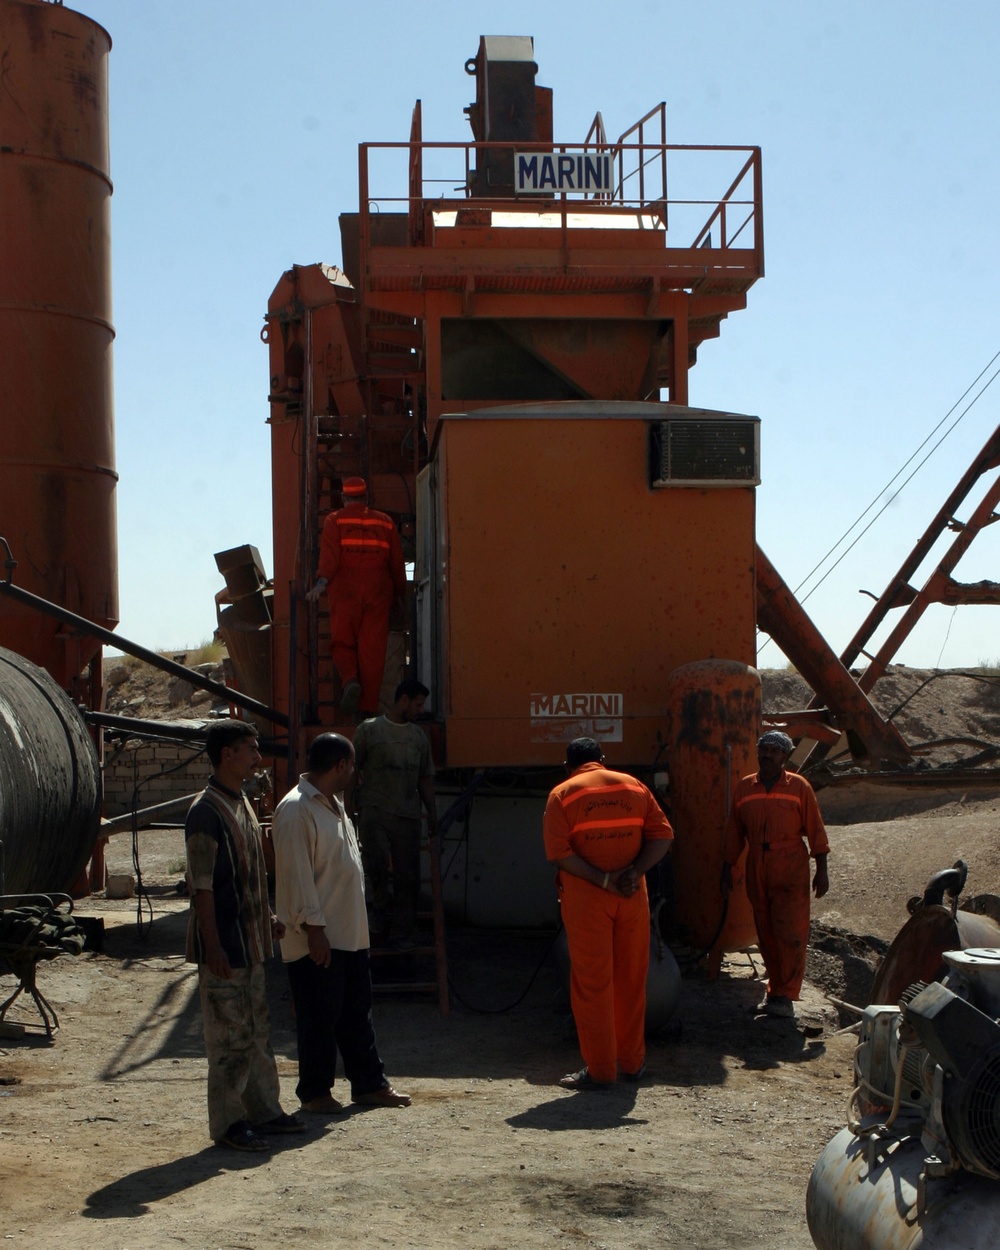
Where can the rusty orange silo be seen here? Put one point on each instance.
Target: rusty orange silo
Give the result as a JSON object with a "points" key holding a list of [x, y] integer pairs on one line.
{"points": [[57, 474]]}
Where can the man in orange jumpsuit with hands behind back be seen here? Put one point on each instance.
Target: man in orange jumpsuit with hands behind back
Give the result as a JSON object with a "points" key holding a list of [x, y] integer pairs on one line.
{"points": [[605, 830], [773, 811], [361, 568]]}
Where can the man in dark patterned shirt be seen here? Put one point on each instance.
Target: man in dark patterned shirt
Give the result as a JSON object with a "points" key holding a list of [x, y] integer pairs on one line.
{"points": [[229, 937]]}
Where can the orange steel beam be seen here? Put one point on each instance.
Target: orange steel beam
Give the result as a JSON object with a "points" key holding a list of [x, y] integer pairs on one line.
{"points": [[587, 305], [781, 615], [940, 587]]}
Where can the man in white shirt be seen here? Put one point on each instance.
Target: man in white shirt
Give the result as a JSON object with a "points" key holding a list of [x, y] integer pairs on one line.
{"points": [[320, 898]]}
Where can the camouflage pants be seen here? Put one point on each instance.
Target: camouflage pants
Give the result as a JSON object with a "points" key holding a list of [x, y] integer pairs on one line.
{"points": [[242, 1076]]}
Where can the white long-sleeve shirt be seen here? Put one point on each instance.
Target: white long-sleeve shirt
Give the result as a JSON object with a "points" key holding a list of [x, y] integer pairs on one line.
{"points": [[319, 879]]}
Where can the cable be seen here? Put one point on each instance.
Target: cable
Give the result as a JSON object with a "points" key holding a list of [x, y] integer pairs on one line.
{"points": [[892, 498], [499, 1011], [947, 635], [896, 475], [143, 927]]}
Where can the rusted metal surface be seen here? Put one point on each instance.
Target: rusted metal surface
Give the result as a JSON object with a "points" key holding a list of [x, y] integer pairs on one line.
{"points": [[713, 713], [917, 951], [50, 793], [872, 739], [57, 466]]}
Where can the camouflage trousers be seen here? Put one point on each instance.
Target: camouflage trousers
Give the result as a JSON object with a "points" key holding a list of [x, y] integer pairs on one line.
{"points": [[242, 1075]]}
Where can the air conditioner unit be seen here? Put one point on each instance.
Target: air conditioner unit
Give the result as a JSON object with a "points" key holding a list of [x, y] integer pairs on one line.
{"points": [[704, 451]]}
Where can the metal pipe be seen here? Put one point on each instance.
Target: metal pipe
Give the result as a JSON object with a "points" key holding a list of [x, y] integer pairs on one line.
{"points": [[147, 815], [781, 615], [145, 728], [157, 729], [133, 648], [839, 1002]]}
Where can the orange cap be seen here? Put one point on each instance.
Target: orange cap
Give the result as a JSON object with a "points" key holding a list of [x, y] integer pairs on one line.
{"points": [[353, 486]]}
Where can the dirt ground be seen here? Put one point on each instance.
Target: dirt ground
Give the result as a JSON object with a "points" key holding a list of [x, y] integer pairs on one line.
{"points": [[103, 1140], [103, 1137]]}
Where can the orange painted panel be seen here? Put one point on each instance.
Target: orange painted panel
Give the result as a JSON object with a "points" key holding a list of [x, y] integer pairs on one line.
{"points": [[571, 589]]}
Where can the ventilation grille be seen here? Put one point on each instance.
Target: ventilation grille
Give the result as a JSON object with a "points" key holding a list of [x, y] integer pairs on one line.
{"points": [[979, 1136], [716, 452]]}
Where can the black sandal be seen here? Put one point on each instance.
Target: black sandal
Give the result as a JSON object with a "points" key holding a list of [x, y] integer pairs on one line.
{"points": [[241, 1136]]}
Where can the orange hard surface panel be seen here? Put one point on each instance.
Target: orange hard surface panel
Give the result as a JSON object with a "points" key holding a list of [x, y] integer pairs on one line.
{"points": [[571, 589]]}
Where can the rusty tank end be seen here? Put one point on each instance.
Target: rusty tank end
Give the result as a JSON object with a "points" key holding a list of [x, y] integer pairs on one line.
{"points": [[57, 469], [714, 718], [50, 790]]}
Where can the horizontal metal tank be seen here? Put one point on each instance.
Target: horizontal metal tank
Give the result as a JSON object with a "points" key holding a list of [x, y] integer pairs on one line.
{"points": [[57, 468], [714, 710], [50, 787], [857, 1202]]}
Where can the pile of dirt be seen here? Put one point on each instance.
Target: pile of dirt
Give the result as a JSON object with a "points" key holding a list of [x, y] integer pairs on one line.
{"points": [[947, 716], [137, 689]]}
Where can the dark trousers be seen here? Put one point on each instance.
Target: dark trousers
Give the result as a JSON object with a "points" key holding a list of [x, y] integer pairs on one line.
{"points": [[333, 1011], [387, 838]]}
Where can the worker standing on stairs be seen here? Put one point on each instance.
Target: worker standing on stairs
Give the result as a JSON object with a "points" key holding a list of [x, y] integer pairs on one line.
{"points": [[361, 568]]}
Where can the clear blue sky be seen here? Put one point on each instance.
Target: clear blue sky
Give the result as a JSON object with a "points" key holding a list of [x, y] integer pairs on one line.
{"points": [[234, 133]]}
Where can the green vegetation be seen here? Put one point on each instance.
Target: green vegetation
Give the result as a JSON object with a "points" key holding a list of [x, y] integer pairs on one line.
{"points": [[211, 651]]}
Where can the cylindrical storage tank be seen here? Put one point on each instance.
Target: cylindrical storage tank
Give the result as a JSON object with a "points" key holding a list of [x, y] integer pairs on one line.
{"points": [[859, 1202], [50, 789], [713, 717], [57, 474]]}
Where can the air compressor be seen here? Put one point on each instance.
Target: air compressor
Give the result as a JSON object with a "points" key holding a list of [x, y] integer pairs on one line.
{"points": [[918, 1164]]}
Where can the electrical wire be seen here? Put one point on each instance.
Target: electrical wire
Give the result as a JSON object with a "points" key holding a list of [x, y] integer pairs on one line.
{"points": [[143, 926], [895, 495], [891, 498], [499, 1011], [947, 635]]}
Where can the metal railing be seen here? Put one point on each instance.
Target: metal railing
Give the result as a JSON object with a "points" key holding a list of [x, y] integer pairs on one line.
{"points": [[445, 185]]}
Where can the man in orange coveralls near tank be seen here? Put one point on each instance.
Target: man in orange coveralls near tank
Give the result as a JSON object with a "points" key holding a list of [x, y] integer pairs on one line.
{"points": [[605, 830], [773, 811], [361, 567]]}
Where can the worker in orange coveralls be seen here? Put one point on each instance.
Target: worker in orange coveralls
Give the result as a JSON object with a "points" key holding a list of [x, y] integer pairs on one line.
{"points": [[773, 811], [605, 831], [361, 567]]}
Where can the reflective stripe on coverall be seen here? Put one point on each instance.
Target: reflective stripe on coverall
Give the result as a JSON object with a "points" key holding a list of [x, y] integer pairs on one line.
{"points": [[605, 817], [361, 558], [773, 825]]}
